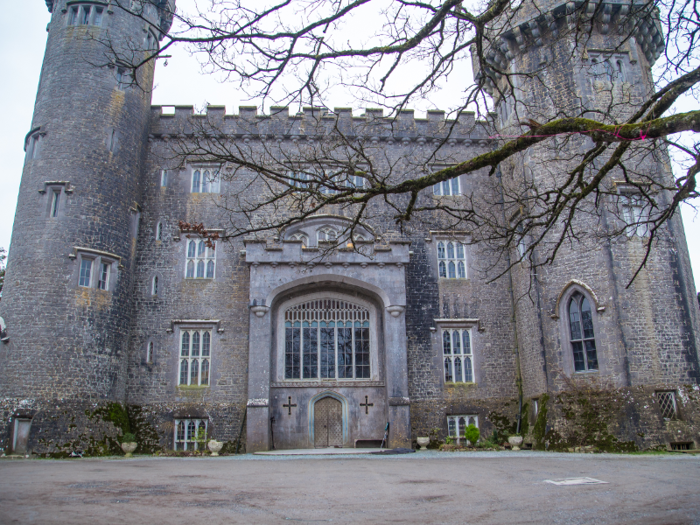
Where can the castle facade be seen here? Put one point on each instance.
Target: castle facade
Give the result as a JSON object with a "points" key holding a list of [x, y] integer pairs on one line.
{"points": [[118, 318]]}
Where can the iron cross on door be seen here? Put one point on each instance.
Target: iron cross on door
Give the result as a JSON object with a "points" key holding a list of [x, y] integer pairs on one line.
{"points": [[289, 405], [366, 404]]}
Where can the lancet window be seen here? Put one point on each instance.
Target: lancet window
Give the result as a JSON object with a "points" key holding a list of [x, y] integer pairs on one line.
{"points": [[582, 334], [327, 339]]}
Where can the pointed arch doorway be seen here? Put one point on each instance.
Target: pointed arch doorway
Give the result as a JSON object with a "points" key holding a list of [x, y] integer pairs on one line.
{"points": [[328, 423]]}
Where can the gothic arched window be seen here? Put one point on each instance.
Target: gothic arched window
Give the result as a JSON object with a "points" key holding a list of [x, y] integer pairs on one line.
{"points": [[581, 333], [326, 234], [327, 339], [195, 352], [300, 236], [196, 181]]}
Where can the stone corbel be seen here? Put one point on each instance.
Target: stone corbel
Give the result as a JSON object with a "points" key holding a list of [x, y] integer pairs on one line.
{"points": [[260, 310], [395, 310]]}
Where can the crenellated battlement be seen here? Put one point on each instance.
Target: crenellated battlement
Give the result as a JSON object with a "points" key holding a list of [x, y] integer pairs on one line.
{"points": [[537, 25], [314, 123]]}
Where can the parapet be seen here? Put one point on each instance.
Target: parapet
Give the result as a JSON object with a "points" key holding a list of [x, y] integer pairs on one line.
{"points": [[315, 123]]}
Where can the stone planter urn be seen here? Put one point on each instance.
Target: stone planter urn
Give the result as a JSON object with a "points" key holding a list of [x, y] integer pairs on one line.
{"points": [[215, 447], [515, 442], [423, 442], [129, 448]]}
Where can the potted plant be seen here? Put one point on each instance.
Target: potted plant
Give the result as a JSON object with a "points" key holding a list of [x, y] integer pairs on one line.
{"points": [[423, 442], [128, 444], [215, 446], [472, 434], [515, 441]]}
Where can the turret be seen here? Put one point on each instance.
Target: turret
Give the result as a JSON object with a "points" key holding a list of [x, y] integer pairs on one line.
{"points": [[584, 325], [67, 298]]}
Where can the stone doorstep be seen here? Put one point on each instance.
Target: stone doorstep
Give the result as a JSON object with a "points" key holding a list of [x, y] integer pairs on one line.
{"points": [[319, 452]]}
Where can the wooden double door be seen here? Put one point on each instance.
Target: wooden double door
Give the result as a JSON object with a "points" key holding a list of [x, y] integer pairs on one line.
{"points": [[328, 423]]}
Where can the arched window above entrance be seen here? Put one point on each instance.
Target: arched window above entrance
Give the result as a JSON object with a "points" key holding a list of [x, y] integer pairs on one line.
{"points": [[327, 339]]}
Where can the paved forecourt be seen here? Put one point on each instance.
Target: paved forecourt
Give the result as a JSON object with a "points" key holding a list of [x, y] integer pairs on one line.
{"points": [[426, 487]]}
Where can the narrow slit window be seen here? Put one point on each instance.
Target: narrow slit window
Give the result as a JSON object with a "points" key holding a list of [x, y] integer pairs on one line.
{"points": [[149, 352], [55, 202], [159, 232], [154, 286]]}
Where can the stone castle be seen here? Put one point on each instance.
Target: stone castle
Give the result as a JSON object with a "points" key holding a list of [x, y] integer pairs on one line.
{"points": [[118, 320]]}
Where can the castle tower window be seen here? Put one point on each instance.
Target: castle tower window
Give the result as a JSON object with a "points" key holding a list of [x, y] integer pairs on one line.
{"points": [[201, 260], [85, 272], [190, 434], [327, 339], [634, 212], [447, 187], [195, 354], [103, 280], [55, 201], [149, 352], [154, 286], [452, 260], [85, 15], [457, 350], [581, 333], [159, 232], [163, 178]]}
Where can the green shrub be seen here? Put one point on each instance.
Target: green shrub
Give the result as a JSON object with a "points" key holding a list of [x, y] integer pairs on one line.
{"points": [[128, 438], [471, 434]]}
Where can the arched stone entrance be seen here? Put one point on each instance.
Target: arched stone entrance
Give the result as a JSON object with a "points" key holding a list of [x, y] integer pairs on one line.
{"points": [[328, 423]]}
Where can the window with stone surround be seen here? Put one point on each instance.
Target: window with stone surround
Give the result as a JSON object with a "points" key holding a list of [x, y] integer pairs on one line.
{"points": [[190, 434], [452, 260], [457, 355], [85, 14], [327, 339], [581, 333], [95, 270], [608, 67], [456, 425], [201, 259], [195, 357], [634, 210], [205, 180], [447, 187]]}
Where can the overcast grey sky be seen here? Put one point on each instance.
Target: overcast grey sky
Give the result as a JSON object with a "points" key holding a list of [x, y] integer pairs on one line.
{"points": [[22, 42]]}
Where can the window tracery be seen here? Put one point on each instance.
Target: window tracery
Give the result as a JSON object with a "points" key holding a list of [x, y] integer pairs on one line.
{"points": [[327, 339], [452, 260], [201, 260], [457, 354]]}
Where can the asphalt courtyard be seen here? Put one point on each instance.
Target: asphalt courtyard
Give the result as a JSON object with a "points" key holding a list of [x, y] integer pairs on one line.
{"points": [[426, 487]]}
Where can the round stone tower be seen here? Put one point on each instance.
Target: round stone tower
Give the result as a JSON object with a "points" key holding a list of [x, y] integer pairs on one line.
{"points": [[561, 59], [67, 296]]}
